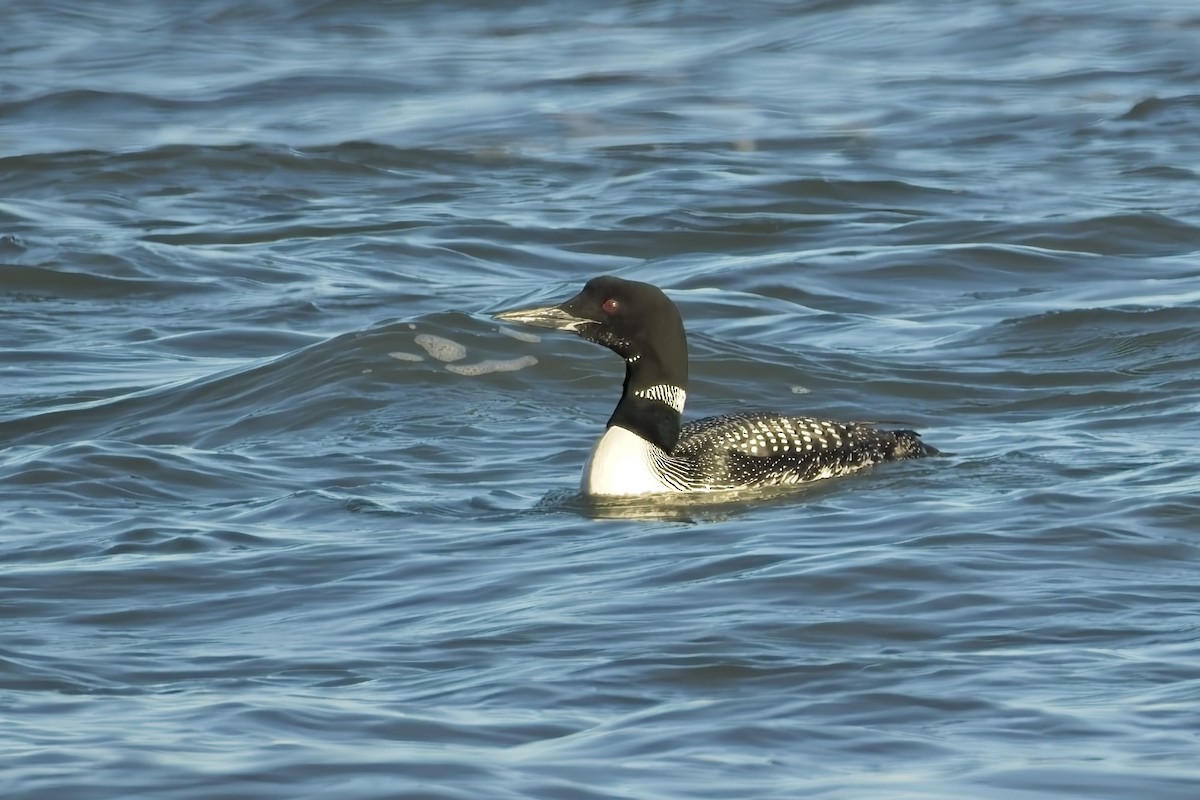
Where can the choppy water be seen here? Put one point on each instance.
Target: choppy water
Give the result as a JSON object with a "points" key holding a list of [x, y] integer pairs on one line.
{"points": [[258, 540]]}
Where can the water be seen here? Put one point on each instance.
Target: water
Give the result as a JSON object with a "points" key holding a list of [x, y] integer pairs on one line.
{"points": [[275, 523]]}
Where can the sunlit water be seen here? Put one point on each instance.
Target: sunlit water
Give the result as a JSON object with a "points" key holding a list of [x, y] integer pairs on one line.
{"points": [[285, 514]]}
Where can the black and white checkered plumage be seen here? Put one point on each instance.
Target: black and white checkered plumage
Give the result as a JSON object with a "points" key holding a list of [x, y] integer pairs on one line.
{"points": [[646, 449]]}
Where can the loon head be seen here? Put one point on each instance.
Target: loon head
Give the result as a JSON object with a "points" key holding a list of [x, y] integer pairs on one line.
{"points": [[635, 320], [641, 324]]}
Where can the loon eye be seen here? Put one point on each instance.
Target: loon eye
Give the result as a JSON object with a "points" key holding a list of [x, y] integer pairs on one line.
{"points": [[610, 306]]}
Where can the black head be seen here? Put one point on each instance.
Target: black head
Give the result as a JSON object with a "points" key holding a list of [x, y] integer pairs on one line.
{"points": [[635, 320]]}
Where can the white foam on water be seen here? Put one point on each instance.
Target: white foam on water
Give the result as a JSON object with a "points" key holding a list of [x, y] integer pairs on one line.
{"points": [[493, 365], [440, 347], [520, 335], [399, 356]]}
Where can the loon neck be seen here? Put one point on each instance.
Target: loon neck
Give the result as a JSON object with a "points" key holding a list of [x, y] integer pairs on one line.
{"points": [[651, 409]]}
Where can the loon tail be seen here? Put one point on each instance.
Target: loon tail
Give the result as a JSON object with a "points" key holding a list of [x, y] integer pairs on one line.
{"points": [[908, 444]]}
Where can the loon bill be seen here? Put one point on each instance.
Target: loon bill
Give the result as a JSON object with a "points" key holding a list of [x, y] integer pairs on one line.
{"points": [[646, 449]]}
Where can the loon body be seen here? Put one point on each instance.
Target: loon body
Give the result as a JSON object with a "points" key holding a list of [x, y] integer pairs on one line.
{"points": [[646, 449]]}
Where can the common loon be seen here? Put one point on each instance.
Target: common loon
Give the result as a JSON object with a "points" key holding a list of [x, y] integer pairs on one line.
{"points": [[647, 450]]}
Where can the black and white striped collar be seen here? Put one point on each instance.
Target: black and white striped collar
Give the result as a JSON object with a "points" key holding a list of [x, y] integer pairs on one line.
{"points": [[672, 396]]}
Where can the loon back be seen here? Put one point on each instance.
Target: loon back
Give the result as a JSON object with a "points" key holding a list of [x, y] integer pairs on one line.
{"points": [[646, 449]]}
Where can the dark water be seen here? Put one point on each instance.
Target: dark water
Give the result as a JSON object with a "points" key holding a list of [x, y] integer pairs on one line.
{"points": [[251, 547]]}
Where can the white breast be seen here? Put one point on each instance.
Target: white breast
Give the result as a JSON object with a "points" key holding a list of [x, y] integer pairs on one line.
{"points": [[622, 463]]}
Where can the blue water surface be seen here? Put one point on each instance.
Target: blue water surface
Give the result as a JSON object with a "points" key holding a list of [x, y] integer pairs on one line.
{"points": [[284, 513]]}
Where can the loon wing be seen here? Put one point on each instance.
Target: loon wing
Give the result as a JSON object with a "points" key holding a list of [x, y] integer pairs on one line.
{"points": [[762, 448]]}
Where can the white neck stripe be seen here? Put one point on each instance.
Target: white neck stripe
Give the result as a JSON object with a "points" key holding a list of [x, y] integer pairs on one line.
{"points": [[665, 393]]}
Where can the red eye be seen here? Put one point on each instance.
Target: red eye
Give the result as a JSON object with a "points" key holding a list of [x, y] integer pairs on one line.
{"points": [[610, 306]]}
